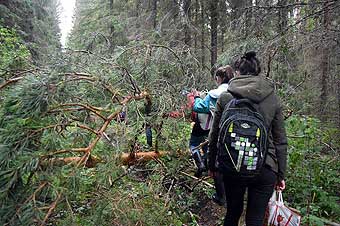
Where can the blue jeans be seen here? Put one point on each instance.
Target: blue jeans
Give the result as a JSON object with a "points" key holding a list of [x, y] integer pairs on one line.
{"points": [[194, 142], [148, 133], [200, 159]]}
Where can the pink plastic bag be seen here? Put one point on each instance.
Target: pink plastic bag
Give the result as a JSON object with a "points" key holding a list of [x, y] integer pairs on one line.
{"points": [[279, 214]]}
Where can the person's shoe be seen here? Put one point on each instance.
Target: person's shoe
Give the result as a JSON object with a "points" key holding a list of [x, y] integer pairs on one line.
{"points": [[198, 173], [218, 200]]}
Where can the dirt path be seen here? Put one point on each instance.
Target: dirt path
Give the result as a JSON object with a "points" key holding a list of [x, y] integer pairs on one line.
{"points": [[211, 214]]}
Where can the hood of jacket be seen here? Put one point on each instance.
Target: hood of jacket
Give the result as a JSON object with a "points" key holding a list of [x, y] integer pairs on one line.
{"points": [[255, 88], [215, 93]]}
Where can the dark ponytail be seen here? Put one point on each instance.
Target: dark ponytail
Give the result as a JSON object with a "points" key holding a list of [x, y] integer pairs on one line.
{"points": [[248, 64]]}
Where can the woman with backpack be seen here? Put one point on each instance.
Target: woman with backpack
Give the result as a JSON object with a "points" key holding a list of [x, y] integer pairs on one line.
{"points": [[203, 110], [255, 162]]}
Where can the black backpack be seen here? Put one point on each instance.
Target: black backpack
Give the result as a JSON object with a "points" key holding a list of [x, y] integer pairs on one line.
{"points": [[242, 139]]}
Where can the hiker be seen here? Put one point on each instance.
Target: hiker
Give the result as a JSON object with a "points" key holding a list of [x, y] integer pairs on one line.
{"points": [[202, 122], [207, 105], [250, 86]]}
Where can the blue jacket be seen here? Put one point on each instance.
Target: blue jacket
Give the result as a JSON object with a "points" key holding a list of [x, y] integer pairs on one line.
{"points": [[209, 102]]}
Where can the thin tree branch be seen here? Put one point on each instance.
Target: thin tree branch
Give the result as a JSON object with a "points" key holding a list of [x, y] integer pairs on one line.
{"points": [[91, 108], [10, 81], [51, 208]]}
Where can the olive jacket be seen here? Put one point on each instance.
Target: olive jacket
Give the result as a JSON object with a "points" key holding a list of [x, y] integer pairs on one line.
{"points": [[260, 90]]}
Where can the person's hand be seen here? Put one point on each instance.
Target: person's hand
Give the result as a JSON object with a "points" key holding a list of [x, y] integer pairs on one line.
{"points": [[195, 93], [281, 185]]}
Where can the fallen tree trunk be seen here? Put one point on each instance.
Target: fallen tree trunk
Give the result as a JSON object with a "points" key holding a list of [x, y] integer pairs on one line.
{"points": [[126, 159], [136, 157]]}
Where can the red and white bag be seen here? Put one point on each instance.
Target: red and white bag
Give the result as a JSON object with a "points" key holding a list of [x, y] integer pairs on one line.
{"points": [[279, 214]]}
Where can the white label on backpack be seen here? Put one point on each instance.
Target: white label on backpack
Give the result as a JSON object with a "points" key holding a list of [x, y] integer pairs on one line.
{"points": [[245, 125]]}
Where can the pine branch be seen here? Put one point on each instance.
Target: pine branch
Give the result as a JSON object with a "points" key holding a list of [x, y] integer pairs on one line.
{"points": [[17, 77], [77, 76], [51, 208], [30, 198], [10, 81], [88, 107]]}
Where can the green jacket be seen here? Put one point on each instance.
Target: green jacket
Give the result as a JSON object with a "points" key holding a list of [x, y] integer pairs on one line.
{"points": [[261, 91]]}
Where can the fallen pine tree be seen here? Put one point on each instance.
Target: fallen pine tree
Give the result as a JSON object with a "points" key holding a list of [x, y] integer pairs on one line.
{"points": [[92, 161]]}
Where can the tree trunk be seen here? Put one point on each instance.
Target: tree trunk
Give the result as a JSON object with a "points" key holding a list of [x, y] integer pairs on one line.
{"points": [[112, 28], [213, 27], [247, 28], [257, 16], [223, 8], [187, 15], [137, 12], [282, 26], [324, 67], [154, 14], [338, 94], [196, 25], [202, 34]]}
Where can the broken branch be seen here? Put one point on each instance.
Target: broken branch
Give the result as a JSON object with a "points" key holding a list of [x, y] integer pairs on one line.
{"points": [[195, 178], [52, 207]]}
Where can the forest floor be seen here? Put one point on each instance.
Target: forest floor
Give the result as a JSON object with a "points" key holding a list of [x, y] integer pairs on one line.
{"points": [[211, 214]]}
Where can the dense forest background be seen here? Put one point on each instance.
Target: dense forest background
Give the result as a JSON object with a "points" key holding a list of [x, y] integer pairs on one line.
{"points": [[61, 137]]}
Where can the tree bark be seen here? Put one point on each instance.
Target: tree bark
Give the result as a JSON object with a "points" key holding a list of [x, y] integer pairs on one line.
{"points": [[196, 25], [187, 14], [338, 95], [282, 25], [137, 12], [174, 9], [213, 27], [324, 66], [202, 33], [223, 8], [154, 14], [112, 28], [247, 28], [282, 16]]}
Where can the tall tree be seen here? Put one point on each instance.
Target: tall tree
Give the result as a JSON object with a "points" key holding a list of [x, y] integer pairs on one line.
{"points": [[213, 27], [282, 26], [112, 28], [40, 32], [203, 32], [153, 17], [187, 16], [196, 25], [324, 64], [223, 19]]}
